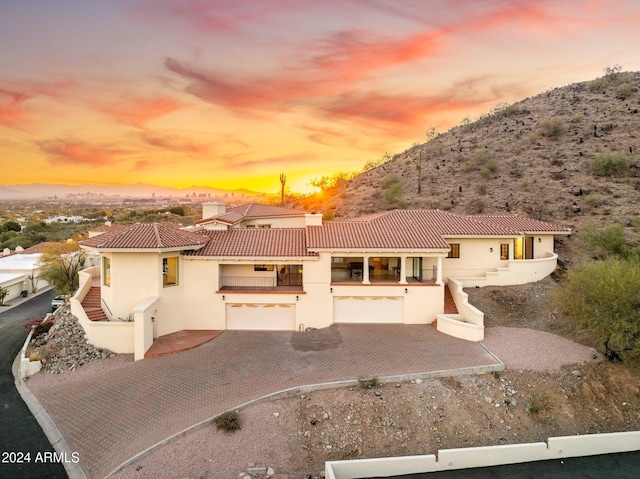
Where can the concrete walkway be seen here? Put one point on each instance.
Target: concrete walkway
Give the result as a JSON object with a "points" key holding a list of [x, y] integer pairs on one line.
{"points": [[111, 417]]}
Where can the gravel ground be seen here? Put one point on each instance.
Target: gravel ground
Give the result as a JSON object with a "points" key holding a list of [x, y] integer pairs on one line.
{"points": [[522, 348], [270, 427]]}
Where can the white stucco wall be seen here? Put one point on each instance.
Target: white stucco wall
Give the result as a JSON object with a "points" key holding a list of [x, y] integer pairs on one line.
{"points": [[277, 222], [479, 255]]}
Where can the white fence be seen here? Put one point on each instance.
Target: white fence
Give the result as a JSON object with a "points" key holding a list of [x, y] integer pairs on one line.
{"points": [[452, 459]]}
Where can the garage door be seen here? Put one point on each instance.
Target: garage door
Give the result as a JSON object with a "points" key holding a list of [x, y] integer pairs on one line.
{"points": [[265, 317], [368, 309]]}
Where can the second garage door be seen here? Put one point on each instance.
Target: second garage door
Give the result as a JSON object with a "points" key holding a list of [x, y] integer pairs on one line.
{"points": [[368, 309], [263, 317]]}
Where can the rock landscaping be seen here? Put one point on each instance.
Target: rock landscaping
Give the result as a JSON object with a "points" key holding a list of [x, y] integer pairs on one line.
{"points": [[61, 344]]}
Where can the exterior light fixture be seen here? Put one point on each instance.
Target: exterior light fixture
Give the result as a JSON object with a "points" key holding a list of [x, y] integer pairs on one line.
{"points": [[406, 290], [331, 290], [297, 298], [223, 297], [539, 240], [490, 250]]}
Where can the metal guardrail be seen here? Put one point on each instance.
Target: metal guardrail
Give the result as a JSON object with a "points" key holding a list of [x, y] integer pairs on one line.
{"points": [[247, 282]]}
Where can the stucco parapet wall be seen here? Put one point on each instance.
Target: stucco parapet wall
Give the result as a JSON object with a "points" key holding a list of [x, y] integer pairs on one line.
{"points": [[521, 271], [453, 459], [455, 325]]}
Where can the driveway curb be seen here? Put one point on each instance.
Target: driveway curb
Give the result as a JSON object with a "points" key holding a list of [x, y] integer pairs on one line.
{"points": [[74, 471]]}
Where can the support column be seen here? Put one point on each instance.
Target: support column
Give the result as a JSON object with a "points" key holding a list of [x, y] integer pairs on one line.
{"points": [[439, 272], [403, 270], [365, 270]]}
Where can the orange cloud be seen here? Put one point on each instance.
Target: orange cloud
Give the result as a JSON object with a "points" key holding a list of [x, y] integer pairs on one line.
{"points": [[74, 152], [174, 143], [137, 111]]}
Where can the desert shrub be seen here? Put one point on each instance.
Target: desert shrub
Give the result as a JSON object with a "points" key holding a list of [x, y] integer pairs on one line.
{"points": [[475, 207], [34, 356], [607, 242], [603, 297], [41, 328], [229, 421], [391, 189], [577, 118], [368, 383], [553, 127], [625, 90], [489, 169], [482, 189], [610, 165], [592, 201], [540, 403], [469, 166]]}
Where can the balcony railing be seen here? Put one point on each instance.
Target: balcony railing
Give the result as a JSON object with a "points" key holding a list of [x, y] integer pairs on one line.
{"points": [[258, 283]]}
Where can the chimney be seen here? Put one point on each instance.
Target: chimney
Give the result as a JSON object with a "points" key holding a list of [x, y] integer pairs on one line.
{"points": [[213, 208], [313, 219]]}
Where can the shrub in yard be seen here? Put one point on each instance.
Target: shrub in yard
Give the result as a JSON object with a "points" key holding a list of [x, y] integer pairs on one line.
{"points": [[603, 297], [368, 383], [229, 421], [540, 403], [610, 165]]}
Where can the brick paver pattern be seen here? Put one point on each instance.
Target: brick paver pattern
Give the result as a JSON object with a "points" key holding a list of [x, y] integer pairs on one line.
{"points": [[113, 416]]}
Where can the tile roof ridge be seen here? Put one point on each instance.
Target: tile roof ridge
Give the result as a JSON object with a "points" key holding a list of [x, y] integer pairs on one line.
{"points": [[156, 232]]}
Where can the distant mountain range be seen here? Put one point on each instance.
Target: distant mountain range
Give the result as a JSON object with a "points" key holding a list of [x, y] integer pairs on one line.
{"points": [[137, 190]]}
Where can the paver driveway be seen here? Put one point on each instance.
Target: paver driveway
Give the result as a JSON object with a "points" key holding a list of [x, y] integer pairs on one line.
{"points": [[115, 415]]}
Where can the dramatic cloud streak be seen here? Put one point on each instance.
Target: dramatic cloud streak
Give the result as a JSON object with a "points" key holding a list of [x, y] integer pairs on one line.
{"points": [[231, 93]]}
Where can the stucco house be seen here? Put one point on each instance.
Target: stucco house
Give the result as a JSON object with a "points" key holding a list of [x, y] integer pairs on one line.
{"points": [[262, 267]]}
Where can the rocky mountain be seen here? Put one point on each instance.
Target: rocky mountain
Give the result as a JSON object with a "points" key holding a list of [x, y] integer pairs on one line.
{"points": [[568, 155]]}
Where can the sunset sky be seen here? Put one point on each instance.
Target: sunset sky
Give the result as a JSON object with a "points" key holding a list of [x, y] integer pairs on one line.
{"points": [[232, 93]]}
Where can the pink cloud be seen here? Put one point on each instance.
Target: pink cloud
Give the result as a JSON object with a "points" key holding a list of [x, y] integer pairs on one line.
{"points": [[74, 152], [12, 110]]}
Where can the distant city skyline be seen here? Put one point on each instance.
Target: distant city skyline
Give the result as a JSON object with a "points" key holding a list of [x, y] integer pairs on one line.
{"points": [[231, 94]]}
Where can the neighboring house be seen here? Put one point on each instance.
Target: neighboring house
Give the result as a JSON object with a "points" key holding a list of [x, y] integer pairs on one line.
{"points": [[215, 216], [19, 272], [66, 219], [402, 266]]}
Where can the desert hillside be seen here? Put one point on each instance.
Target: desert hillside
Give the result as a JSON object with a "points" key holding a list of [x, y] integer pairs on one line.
{"points": [[568, 155]]}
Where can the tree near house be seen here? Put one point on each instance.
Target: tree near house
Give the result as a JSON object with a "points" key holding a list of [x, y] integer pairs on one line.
{"points": [[3, 294], [60, 264]]}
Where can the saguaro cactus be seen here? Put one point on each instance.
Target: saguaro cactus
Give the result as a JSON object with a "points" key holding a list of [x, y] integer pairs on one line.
{"points": [[283, 181]]}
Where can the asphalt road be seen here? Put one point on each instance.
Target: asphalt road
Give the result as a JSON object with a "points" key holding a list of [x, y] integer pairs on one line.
{"points": [[21, 438]]}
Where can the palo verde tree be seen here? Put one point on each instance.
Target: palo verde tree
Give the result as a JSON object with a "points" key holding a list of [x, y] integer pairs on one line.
{"points": [[60, 264]]}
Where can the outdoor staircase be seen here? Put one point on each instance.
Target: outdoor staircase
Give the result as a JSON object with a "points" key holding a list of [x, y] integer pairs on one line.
{"points": [[92, 305], [449, 304]]}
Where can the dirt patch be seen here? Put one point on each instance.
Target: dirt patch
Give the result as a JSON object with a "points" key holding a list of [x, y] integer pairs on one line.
{"points": [[297, 434], [316, 339]]}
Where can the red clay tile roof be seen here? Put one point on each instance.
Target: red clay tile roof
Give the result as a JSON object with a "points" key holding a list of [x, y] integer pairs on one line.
{"points": [[255, 243], [402, 229], [146, 236], [522, 224], [38, 248], [398, 229], [250, 211]]}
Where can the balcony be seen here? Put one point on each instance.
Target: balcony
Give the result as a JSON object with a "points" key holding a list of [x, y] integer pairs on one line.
{"points": [[282, 283]]}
